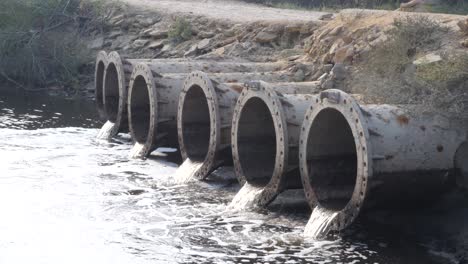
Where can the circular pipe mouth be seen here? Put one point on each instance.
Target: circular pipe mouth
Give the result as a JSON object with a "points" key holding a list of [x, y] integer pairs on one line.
{"points": [[101, 64], [335, 156], [115, 91], [111, 92], [256, 139], [332, 159], [139, 110], [142, 108], [260, 139], [196, 124]]}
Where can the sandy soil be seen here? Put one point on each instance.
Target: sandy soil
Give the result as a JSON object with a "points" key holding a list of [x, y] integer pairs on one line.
{"points": [[224, 10]]}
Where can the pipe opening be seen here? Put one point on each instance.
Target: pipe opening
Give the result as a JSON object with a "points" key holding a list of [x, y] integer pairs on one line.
{"points": [[196, 124], [332, 159], [256, 142], [111, 92], [99, 84], [140, 110]]}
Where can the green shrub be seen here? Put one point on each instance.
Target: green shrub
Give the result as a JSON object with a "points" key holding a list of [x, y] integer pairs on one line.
{"points": [[181, 30]]}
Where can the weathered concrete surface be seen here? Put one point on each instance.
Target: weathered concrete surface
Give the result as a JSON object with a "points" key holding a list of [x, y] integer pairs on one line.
{"points": [[118, 71], [353, 155], [265, 141], [205, 135], [153, 99]]}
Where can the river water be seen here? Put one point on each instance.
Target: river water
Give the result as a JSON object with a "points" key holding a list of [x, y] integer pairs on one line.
{"points": [[66, 197]]}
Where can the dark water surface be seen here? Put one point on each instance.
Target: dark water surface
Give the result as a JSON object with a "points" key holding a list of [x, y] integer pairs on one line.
{"points": [[67, 198]]}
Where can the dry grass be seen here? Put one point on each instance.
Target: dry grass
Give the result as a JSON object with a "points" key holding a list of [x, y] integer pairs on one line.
{"points": [[40, 41], [388, 74]]}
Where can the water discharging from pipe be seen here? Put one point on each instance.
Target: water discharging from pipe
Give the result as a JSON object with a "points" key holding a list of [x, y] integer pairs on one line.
{"points": [[332, 165], [196, 129], [256, 141]]}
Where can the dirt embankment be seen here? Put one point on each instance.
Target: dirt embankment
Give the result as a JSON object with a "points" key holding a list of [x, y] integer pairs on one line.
{"points": [[389, 57]]}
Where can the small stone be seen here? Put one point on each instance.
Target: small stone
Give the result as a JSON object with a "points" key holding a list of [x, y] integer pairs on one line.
{"points": [[97, 43], [335, 47], [204, 44], [336, 31], [464, 43], [293, 58], [428, 59], [344, 54], [324, 33], [139, 43], [339, 71], [347, 39], [158, 33], [293, 28], [328, 84], [326, 16], [265, 37], [145, 22], [219, 51], [327, 67], [114, 34], [323, 77], [299, 76], [463, 25], [192, 51], [206, 34], [117, 20], [159, 44]]}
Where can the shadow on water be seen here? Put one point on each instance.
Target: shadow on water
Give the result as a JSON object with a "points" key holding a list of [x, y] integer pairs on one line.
{"points": [[37, 111], [68, 198]]}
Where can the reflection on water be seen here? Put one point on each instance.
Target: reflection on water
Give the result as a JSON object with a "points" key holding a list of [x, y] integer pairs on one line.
{"points": [[66, 197]]}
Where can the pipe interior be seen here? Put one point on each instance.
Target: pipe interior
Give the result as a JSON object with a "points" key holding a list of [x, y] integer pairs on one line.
{"points": [[111, 92], [99, 83], [461, 165], [140, 109], [196, 125], [256, 142], [332, 159]]}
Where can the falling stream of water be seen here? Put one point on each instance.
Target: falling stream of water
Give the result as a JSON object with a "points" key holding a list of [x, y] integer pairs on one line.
{"points": [[187, 170], [320, 222], [66, 197], [107, 131], [249, 197]]}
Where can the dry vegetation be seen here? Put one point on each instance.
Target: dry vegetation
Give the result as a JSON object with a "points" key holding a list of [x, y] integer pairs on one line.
{"points": [[390, 73], [40, 41]]}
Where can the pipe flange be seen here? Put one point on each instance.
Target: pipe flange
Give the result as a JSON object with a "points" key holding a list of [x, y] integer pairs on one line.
{"points": [[99, 71], [144, 71], [261, 90], [201, 80], [351, 111], [115, 60]]}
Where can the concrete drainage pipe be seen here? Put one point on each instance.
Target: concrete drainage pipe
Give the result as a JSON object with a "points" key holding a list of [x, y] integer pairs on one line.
{"points": [[118, 71], [101, 64], [351, 155], [153, 102], [205, 134], [265, 142]]}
